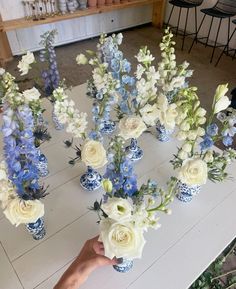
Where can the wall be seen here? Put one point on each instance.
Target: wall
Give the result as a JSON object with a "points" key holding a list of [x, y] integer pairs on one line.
{"points": [[204, 30]]}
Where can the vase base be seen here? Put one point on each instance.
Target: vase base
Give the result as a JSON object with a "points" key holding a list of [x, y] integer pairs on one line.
{"points": [[184, 197], [91, 181], [37, 229], [126, 266]]}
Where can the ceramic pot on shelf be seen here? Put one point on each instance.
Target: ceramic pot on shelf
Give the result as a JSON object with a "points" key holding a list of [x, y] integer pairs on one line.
{"points": [[91, 180], [37, 229]]}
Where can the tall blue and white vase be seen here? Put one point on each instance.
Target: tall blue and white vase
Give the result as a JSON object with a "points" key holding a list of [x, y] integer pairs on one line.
{"points": [[107, 126], [163, 134], [134, 152], [37, 229], [42, 164], [125, 266], [185, 193], [91, 180], [56, 122]]}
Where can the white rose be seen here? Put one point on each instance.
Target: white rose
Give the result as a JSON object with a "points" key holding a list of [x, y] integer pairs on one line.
{"points": [[26, 61], [23, 212], [121, 240], [149, 114], [193, 172], [31, 94], [81, 59], [93, 154], [131, 127], [118, 209]]}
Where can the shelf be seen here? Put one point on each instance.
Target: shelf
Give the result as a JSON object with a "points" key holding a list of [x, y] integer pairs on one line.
{"points": [[24, 23]]}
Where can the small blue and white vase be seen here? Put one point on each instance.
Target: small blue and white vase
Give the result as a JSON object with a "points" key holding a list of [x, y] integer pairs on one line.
{"points": [[107, 126], [37, 229], [185, 193], [134, 152], [91, 180], [42, 165], [163, 134], [125, 266], [57, 124]]}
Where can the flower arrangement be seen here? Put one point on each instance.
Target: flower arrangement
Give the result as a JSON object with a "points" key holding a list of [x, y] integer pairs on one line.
{"points": [[21, 191], [126, 212]]}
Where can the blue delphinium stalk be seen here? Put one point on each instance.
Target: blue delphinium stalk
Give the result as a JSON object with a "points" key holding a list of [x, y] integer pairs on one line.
{"points": [[47, 55], [20, 152]]}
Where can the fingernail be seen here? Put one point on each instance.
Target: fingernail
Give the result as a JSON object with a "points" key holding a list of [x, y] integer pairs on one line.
{"points": [[119, 260]]}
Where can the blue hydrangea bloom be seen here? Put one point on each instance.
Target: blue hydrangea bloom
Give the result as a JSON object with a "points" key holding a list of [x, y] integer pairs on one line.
{"points": [[206, 143], [227, 141], [212, 129]]}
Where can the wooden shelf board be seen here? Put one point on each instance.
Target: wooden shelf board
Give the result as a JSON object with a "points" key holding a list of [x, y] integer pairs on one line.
{"points": [[24, 23]]}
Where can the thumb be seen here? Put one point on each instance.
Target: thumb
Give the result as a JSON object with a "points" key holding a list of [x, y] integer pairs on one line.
{"points": [[103, 261]]}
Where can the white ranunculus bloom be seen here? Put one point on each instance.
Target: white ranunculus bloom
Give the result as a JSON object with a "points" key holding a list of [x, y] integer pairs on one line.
{"points": [[193, 172], [149, 114], [31, 94], [19, 211], [121, 240], [131, 127], [81, 59], [118, 209], [93, 154], [26, 61]]}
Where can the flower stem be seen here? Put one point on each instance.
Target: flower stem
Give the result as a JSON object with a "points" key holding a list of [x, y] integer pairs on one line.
{"points": [[225, 274]]}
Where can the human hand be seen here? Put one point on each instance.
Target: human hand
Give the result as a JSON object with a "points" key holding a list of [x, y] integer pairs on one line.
{"points": [[90, 257]]}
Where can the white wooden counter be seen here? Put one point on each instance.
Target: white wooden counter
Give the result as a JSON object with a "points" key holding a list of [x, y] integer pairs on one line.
{"points": [[173, 257]]}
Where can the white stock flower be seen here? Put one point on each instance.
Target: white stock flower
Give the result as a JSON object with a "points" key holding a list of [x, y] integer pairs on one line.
{"points": [[81, 59], [149, 114], [121, 240], [19, 211], [131, 127], [117, 209], [119, 38], [140, 71], [26, 61], [187, 147], [192, 134], [93, 154], [183, 155], [193, 172], [201, 112], [181, 135], [31, 94]]}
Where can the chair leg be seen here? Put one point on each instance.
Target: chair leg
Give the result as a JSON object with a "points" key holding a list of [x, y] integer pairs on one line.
{"points": [[209, 31], [185, 26], [228, 36], [234, 54], [195, 38], [212, 55], [195, 8], [177, 29], [170, 15], [226, 46]]}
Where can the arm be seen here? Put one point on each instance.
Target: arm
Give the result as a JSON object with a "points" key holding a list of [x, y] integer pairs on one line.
{"points": [[90, 258]]}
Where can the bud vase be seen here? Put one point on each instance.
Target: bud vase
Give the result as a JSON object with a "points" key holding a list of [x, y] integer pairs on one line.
{"points": [[57, 124], [37, 229], [185, 193], [42, 165], [124, 267], [134, 152], [107, 126], [163, 134], [91, 180]]}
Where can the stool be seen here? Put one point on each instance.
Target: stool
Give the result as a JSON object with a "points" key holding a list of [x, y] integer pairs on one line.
{"points": [[184, 4], [227, 46], [223, 9]]}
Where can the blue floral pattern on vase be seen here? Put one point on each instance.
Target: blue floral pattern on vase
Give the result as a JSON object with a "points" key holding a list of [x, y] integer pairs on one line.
{"points": [[91, 180], [134, 152], [163, 134], [125, 266], [185, 193], [42, 164], [37, 229], [107, 126], [57, 124]]}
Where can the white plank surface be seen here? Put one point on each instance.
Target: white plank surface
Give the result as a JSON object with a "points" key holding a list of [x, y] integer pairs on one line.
{"points": [[192, 236]]}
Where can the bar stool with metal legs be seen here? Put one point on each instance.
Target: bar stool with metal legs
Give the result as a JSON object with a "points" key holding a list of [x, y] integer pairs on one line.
{"points": [[223, 9], [188, 4], [226, 48]]}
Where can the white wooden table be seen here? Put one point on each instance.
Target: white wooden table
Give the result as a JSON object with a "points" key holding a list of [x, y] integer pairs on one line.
{"points": [[174, 256]]}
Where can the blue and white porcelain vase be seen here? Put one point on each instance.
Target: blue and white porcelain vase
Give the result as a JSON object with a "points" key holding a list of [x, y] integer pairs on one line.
{"points": [[42, 165], [107, 126], [37, 229], [57, 124], [91, 180], [125, 266], [134, 152], [163, 134], [185, 193]]}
